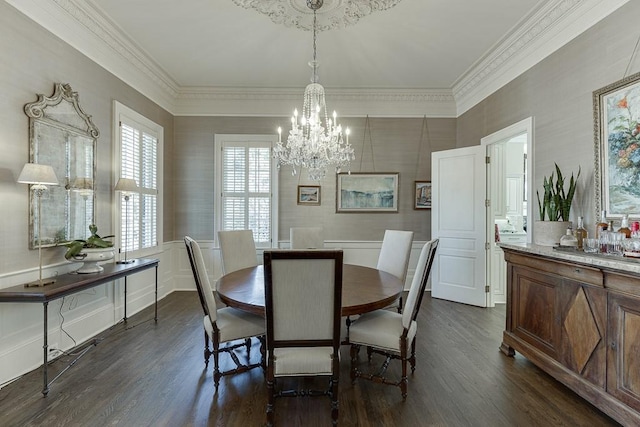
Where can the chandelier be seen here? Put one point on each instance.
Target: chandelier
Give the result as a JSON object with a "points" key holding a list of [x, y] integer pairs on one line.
{"points": [[312, 144]]}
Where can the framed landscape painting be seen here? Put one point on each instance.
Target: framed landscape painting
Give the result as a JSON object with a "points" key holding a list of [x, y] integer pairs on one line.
{"points": [[309, 195], [422, 195], [367, 192], [617, 147]]}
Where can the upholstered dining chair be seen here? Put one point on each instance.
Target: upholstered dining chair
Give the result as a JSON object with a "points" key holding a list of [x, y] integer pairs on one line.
{"points": [[306, 238], [303, 299], [393, 334], [394, 255], [223, 325], [237, 250]]}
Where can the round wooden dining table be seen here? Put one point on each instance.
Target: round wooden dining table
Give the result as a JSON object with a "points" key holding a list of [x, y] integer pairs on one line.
{"points": [[364, 289]]}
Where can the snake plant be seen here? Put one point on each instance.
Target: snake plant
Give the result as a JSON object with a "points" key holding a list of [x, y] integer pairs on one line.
{"points": [[556, 204]]}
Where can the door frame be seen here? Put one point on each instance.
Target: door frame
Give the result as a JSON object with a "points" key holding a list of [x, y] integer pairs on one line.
{"points": [[523, 126]]}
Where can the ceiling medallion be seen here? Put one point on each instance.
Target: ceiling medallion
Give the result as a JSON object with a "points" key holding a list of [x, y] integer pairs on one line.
{"points": [[333, 15]]}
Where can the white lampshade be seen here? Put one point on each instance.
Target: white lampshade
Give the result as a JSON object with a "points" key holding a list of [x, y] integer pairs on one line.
{"points": [[126, 185], [34, 173]]}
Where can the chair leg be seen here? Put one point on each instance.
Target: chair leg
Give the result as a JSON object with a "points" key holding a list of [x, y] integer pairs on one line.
{"points": [[334, 401], [216, 367], [354, 360], [412, 359], [263, 353], [207, 352], [403, 380], [369, 353], [247, 343], [271, 401], [400, 305]]}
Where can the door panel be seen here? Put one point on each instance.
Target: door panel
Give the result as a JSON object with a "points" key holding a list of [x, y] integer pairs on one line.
{"points": [[458, 219]]}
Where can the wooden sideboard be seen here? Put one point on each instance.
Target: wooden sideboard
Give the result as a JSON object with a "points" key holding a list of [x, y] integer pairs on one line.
{"points": [[577, 317]]}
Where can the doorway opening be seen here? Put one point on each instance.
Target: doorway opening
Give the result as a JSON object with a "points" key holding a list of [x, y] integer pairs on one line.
{"points": [[509, 178]]}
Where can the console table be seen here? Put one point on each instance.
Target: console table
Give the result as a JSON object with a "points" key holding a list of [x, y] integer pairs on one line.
{"points": [[577, 317], [70, 283]]}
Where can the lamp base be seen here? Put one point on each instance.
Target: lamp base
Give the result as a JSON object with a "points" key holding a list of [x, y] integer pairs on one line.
{"points": [[129, 261], [39, 283]]}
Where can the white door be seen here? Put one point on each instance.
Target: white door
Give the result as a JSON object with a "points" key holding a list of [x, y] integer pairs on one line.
{"points": [[458, 219]]}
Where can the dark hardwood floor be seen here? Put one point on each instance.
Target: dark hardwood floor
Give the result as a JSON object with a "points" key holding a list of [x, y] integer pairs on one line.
{"points": [[148, 374]]}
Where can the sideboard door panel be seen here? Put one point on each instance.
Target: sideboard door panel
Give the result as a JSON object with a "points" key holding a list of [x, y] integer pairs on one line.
{"points": [[536, 313], [583, 320], [623, 359]]}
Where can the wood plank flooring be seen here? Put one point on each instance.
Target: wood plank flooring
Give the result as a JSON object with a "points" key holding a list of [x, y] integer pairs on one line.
{"points": [[152, 374]]}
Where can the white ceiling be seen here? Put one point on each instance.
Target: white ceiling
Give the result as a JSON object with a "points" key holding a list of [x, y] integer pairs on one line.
{"points": [[435, 57]]}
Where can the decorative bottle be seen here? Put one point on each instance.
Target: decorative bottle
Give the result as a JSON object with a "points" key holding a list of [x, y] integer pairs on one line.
{"points": [[581, 232], [569, 240], [624, 226], [603, 225]]}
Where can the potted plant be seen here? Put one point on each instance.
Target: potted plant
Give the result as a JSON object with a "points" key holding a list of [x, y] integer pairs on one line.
{"points": [[554, 208], [90, 251]]}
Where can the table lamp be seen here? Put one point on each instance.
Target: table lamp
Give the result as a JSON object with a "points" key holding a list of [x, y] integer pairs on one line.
{"points": [[38, 176], [126, 186]]}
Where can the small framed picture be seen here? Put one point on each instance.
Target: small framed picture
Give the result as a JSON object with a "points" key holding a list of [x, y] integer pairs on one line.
{"points": [[422, 195], [309, 195]]}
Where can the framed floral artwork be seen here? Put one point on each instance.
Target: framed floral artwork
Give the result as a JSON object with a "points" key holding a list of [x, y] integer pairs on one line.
{"points": [[309, 195], [617, 147], [422, 195]]}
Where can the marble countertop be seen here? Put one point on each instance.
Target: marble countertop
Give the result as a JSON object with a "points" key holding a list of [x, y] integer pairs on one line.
{"points": [[618, 263]]}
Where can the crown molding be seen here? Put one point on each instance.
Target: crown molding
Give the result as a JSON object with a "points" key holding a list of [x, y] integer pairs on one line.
{"points": [[208, 101], [546, 30], [554, 25], [87, 30]]}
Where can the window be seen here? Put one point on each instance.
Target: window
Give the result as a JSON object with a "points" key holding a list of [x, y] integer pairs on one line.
{"points": [[246, 186], [138, 152]]}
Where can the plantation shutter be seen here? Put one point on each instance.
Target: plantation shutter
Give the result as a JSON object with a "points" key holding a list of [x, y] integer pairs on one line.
{"points": [[246, 189], [139, 161]]}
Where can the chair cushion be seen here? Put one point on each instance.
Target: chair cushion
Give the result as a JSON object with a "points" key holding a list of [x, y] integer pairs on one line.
{"points": [[381, 329], [236, 324], [302, 361]]}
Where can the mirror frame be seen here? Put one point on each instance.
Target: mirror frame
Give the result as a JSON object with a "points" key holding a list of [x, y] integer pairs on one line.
{"points": [[61, 115]]}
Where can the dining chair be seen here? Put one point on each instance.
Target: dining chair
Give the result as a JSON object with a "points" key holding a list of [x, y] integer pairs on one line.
{"points": [[394, 255], [303, 300], [391, 334], [237, 250], [306, 238], [223, 325]]}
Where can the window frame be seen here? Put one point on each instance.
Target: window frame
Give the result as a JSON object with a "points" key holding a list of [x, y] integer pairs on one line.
{"points": [[122, 113], [221, 140]]}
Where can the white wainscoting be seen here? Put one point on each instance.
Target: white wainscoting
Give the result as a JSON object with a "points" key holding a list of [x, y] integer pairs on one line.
{"points": [[90, 312]]}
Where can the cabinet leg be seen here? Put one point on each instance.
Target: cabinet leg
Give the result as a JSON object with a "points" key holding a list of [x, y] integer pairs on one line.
{"points": [[507, 350]]}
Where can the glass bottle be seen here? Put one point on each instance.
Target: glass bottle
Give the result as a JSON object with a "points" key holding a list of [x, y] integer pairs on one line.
{"points": [[602, 225], [569, 240], [624, 226], [581, 232]]}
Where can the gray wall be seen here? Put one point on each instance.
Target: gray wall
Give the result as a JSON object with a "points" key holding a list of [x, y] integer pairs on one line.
{"points": [[31, 61], [390, 145], [557, 92]]}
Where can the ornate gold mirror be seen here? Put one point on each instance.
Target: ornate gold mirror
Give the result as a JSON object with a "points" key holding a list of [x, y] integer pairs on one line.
{"points": [[63, 136]]}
